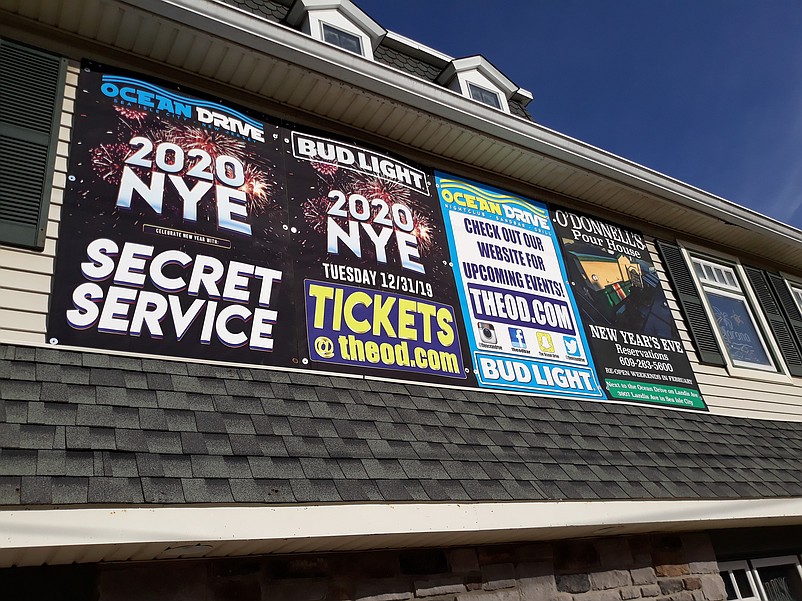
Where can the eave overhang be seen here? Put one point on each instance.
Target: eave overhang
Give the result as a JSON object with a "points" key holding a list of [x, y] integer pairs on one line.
{"points": [[269, 66], [84, 535]]}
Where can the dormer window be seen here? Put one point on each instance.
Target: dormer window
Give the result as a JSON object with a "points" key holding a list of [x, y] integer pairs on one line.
{"points": [[343, 39], [484, 96], [476, 78], [339, 23]]}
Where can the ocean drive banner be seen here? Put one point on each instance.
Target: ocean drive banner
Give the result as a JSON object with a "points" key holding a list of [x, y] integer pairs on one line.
{"points": [[171, 240], [193, 228], [520, 317], [638, 352]]}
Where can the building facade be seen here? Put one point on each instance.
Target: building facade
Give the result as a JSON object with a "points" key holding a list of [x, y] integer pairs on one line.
{"points": [[294, 307]]}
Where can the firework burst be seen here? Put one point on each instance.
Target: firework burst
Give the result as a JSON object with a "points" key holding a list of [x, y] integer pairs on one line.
{"points": [[316, 213], [424, 232], [327, 169], [373, 187], [213, 143], [256, 188], [130, 114], [108, 161]]}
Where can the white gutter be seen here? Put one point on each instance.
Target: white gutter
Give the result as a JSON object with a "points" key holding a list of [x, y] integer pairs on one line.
{"points": [[295, 47], [34, 536]]}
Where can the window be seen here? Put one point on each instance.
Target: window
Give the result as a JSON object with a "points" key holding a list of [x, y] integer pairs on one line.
{"points": [[29, 117], [770, 579], [739, 317], [738, 582], [476, 78], [484, 96], [343, 39], [340, 23], [732, 315]]}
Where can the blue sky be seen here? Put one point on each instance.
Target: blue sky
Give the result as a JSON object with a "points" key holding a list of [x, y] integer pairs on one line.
{"points": [[706, 91]]}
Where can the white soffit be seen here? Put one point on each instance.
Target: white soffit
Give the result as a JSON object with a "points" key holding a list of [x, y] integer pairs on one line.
{"points": [[231, 47], [59, 536]]}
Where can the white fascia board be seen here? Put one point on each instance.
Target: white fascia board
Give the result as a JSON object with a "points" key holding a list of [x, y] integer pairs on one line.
{"points": [[294, 47], [171, 526], [417, 47]]}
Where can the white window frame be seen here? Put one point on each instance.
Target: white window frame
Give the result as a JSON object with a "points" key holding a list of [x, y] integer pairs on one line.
{"points": [[770, 562], [483, 90], [340, 30], [794, 285], [778, 372], [731, 566]]}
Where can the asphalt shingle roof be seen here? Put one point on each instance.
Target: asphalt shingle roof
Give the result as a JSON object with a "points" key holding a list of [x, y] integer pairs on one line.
{"points": [[80, 428]]}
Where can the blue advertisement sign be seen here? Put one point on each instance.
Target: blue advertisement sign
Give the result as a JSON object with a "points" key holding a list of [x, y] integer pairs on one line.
{"points": [[521, 320]]}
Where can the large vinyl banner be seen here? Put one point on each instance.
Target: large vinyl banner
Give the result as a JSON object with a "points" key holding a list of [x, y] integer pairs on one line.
{"points": [[638, 352], [378, 294], [520, 316], [171, 235], [192, 228]]}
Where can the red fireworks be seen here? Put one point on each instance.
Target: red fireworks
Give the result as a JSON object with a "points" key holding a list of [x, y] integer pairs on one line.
{"points": [[108, 161], [374, 187], [327, 169], [316, 213], [131, 114], [256, 188], [213, 143]]}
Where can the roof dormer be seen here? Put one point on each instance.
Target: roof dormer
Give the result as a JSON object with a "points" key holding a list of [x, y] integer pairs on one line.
{"points": [[339, 23], [476, 78]]}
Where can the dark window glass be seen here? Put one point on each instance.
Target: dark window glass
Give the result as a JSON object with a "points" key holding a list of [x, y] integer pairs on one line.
{"points": [[743, 583], [343, 39], [781, 583], [484, 96], [731, 594]]}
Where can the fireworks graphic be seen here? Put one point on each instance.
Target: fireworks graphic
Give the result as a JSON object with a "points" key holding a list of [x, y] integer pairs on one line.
{"points": [[213, 143], [108, 161], [373, 187], [316, 212], [257, 189], [424, 232], [328, 169], [130, 114]]}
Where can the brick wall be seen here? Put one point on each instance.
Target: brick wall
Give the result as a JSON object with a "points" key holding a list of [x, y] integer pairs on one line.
{"points": [[658, 568]]}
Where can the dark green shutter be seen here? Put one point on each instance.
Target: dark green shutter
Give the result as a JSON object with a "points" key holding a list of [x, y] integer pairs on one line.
{"points": [[31, 85], [788, 305], [696, 317], [780, 328]]}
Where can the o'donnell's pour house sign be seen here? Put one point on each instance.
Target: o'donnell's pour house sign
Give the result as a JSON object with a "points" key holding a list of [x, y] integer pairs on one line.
{"points": [[195, 229]]}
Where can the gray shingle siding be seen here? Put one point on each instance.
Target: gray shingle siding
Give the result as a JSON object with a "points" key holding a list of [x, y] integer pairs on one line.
{"points": [[300, 438]]}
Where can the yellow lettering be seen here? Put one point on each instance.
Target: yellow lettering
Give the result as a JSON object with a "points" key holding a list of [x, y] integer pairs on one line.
{"points": [[321, 294], [406, 319], [356, 298], [381, 316], [446, 334]]}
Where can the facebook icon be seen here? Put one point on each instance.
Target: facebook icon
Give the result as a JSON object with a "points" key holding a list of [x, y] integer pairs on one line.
{"points": [[517, 338]]}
